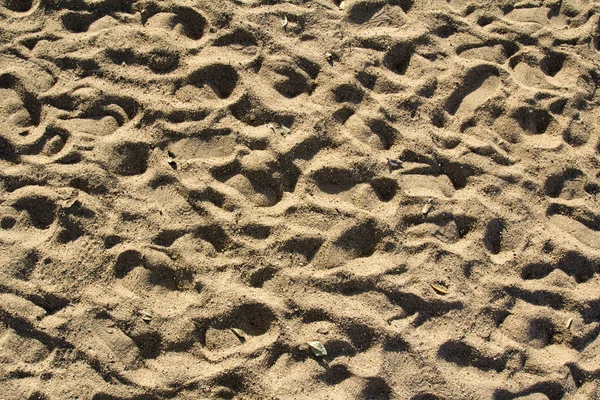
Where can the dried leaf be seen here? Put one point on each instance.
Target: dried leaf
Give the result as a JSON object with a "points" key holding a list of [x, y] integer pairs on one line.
{"points": [[394, 164], [285, 130], [569, 322], [439, 289], [342, 5], [317, 348], [239, 333], [284, 22], [147, 316], [329, 57]]}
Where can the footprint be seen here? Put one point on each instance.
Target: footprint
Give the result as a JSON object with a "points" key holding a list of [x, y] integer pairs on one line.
{"points": [[94, 112], [494, 235], [492, 51], [577, 133], [426, 396], [376, 389], [20, 6], [335, 375], [332, 180], [567, 184], [533, 121], [20, 107], [250, 110], [289, 80], [544, 390], [385, 188], [148, 268], [259, 187], [526, 70], [221, 78], [239, 39], [215, 235], [182, 20], [257, 231], [464, 355], [398, 58], [259, 176], [107, 343], [159, 61], [252, 319], [37, 203], [360, 240], [530, 326], [261, 276], [541, 332], [366, 79], [411, 304], [580, 222], [553, 63], [50, 143], [304, 245], [166, 238], [479, 84], [77, 21], [537, 297], [387, 134], [348, 93], [149, 344], [23, 260], [127, 158], [362, 11]]}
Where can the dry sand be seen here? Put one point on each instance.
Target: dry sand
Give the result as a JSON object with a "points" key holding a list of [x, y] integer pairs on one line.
{"points": [[191, 191]]}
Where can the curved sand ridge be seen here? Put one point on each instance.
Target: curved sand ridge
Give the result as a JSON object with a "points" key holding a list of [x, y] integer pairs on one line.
{"points": [[163, 234]]}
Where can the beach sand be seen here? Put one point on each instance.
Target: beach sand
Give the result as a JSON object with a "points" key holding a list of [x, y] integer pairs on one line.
{"points": [[191, 191]]}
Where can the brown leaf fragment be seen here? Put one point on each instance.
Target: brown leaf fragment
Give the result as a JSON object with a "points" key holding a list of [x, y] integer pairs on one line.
{"points": [[239, 333], [438, 289]]}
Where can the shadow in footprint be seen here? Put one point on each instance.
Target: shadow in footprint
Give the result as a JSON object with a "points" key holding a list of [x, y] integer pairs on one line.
{"points": [[360, 240], [463, 355], [41, 210], [18, 5], [376, 389], [532, 120], [184, 20], [78, 22], [493, 235], [397, 59], [552, 63], [556, 182], [551, 390], [221, 78], [362, 11], [476, 79]]}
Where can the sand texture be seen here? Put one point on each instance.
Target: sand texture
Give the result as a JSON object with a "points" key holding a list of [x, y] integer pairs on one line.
{"points": [[191, 191]]}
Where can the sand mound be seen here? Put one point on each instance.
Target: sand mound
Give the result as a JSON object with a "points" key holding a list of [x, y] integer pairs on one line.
{"points": [[190, 191]]}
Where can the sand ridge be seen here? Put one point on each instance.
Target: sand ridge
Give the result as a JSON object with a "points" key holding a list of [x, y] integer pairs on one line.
{"points": [[190, 191]]}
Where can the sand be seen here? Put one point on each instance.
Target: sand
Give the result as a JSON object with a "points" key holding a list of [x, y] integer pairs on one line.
{"points": [[191, 191]]}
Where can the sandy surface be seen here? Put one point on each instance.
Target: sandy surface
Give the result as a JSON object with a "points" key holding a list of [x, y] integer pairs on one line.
{"points": [[190, 191]]}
